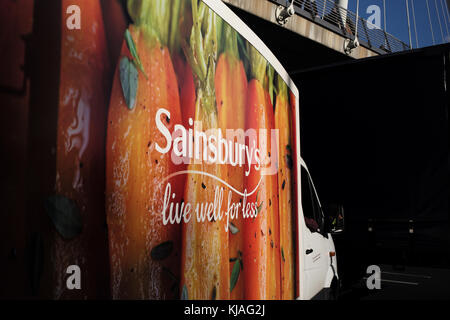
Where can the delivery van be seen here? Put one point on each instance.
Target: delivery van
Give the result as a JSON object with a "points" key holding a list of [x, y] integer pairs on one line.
{"points": [[163, 160], [317, 255]]}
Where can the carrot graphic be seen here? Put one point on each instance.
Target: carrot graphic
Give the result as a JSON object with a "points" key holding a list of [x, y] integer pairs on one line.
{"points": [[294, 153], [116, 23], [182, 68], [144, 253], [16, 20], [261, 254], [231, 92], [282, 123], [187, 94], [205, 266], [77, 208]]}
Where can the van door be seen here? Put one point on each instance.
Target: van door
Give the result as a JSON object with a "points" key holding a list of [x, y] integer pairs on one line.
{"points": [[315, 255]]}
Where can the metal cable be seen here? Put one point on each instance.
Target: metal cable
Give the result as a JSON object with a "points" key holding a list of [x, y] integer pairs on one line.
{"points": [[447, 15], [445, 9], [439, 19], [445, 20], [414, 20], [357, 16], [431, 25], [409, 25]]}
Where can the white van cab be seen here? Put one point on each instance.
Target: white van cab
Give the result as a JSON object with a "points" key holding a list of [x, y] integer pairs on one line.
{"points": [[317, 262]]}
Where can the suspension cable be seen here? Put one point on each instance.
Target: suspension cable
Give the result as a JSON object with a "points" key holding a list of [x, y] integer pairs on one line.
{"points": [[447, 11], [414, 20], [439, 19], [445, 20], [384, 24], [409, 25], [431, 25], [357, 18]]}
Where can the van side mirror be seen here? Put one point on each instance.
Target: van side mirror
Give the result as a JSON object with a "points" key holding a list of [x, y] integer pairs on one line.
{"points": [[335, 218]]}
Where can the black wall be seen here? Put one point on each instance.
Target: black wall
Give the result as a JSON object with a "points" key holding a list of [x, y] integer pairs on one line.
{"points": [[374, 134]]}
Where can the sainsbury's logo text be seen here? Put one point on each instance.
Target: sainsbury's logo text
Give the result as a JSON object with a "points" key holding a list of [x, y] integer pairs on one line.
{"points": [[237, 147]]}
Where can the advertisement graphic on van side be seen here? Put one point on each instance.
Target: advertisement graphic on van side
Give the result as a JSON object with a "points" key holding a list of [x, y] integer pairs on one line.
{"points": [[161, 157], [198, 162]]}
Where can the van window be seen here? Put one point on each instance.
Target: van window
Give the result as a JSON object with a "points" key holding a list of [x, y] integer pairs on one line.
{"points": [[308, 205], [318, 214]]}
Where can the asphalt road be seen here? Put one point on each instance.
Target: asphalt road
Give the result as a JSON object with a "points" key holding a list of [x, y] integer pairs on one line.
{"points": [[406, 283]]}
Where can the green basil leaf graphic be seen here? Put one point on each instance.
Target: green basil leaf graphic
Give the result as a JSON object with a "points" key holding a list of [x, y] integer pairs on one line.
{"points": [[162, 251], [184, 293], [132, 47], [234, 275], [282, 254], [233, 228], [129, 81], [258, 209], [65, 216]]}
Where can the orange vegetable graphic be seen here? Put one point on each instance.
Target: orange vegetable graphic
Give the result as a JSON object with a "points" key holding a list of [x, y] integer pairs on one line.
{"points": [[103, 107], [231, 92], [16, 20], [116, 24], [294, 153], [182, 67], [205, 266], [77, 208], [282, 123], [144, 253], [187, 89], [261, 255]]}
